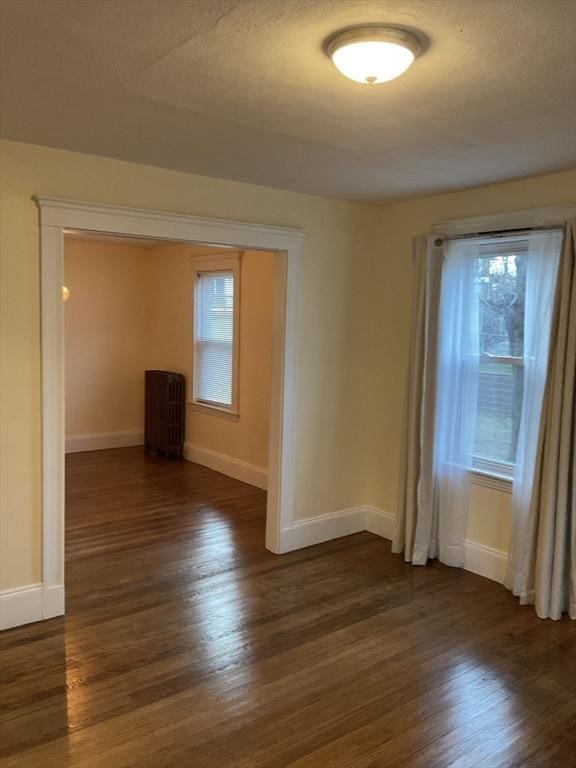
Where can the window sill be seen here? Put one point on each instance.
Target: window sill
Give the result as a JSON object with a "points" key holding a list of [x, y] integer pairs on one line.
{"points": [[491, 480], [213, 410]]}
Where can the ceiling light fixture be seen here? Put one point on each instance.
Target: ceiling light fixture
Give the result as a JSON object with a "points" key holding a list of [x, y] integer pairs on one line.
{"points": [[372, 54]]}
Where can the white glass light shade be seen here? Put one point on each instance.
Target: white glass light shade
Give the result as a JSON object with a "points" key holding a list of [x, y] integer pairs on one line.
{"points": [[372, 55], [65, 293]]}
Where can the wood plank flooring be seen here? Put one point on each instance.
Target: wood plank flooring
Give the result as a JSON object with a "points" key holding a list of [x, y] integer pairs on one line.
{"points": [[188, 645]]}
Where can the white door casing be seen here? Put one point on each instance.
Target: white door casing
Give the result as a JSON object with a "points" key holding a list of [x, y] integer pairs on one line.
{"points": [[57, 216]]}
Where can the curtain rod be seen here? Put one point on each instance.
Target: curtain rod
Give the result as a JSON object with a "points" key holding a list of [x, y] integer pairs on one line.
{"points": [[499, 233]]}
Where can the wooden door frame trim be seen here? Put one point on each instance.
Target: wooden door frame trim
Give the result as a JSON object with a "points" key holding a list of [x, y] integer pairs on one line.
{"points": [[57, 216]]}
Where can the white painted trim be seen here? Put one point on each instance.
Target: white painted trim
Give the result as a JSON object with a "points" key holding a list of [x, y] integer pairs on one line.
{"points": [[283, 402], [485, 561], [103, 440], [34, 602], [315, 530], [531, 217], [56, 216], [490, 480], [96, 217], [213, 410], [52, 601], [227, 465], [53, 446], [478, 558], [380, 522], [333, 525]]}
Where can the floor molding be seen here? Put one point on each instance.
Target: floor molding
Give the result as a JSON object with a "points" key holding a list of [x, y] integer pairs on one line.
{"points": [[103, 440], [315, 530], [485, 561], [380, 522], [478, 558], [25, 605], [227, 465]]}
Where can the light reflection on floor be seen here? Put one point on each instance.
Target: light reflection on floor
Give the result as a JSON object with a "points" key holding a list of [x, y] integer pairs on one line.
{"points": [[219, 618]]}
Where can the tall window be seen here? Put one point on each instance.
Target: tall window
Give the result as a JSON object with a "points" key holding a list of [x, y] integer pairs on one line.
{"points": [[492, 291], [500, 285], [216, 338]]}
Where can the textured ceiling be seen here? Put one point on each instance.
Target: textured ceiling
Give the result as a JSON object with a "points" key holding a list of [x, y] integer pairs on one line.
{"points": [[241, 89]]}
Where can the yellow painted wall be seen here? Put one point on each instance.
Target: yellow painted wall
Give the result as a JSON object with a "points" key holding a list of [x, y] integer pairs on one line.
{"points": [[354, 325], [330, 445], [107, 328], [390, 300], [245, 438], [130, 309]]}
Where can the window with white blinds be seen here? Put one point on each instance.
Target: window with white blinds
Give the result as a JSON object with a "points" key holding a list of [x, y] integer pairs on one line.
{"points": [[215, 331]]}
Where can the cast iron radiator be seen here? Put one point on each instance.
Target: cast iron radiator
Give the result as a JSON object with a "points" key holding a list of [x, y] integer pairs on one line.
{"points": [[165, 413]]}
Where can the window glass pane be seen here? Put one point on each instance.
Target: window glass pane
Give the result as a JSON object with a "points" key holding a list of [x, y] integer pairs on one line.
{"points": [[214, 372], [214, 337], [501, 285], [498, 416], [498, 329]]}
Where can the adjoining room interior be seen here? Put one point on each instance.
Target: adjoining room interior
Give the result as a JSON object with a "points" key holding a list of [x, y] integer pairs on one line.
{"points": [[134, 305], [288, 370], [131, 309]]}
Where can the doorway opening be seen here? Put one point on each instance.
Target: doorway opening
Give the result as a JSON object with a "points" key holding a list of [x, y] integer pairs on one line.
{"points": [[60, 219]]}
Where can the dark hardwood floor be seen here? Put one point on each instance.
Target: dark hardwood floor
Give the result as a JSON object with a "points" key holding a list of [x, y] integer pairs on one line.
{"points": [[186, 644]]}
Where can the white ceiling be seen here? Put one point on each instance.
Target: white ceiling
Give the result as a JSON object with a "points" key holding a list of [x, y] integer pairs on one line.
{"points": [[241, 89]]}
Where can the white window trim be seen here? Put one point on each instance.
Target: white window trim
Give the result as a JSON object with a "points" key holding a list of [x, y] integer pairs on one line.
{"points": [[218, 263], [491, 479], [491, 474], [499, 471], [554, 216]]}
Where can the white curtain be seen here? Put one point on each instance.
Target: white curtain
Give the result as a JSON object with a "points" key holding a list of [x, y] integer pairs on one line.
{"points": [[440, 437], [443, 372], [456, 406], [542, 536]]}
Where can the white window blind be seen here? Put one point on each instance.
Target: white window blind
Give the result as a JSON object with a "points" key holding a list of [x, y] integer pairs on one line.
{"points": [[214, 337]]}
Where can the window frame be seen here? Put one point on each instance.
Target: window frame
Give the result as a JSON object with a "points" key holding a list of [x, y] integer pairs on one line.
{"points": [[201, 265], [499, 472], [488, 474]]}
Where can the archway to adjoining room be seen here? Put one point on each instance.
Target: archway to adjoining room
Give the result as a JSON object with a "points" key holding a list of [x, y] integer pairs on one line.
{"points": [[86, 225]]}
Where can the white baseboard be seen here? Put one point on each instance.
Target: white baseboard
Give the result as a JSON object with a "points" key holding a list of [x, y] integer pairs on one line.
{"points": [[101, 441], [315, 530], [227, 465], [478, 558], [380, 522], [485, 561], [24, 605]]}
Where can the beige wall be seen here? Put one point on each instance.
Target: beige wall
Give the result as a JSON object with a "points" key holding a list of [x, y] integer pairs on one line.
{"points": [[245, 438], [107, 327], [354, 324], [390, 300], [330, 459], [130, 309]]}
